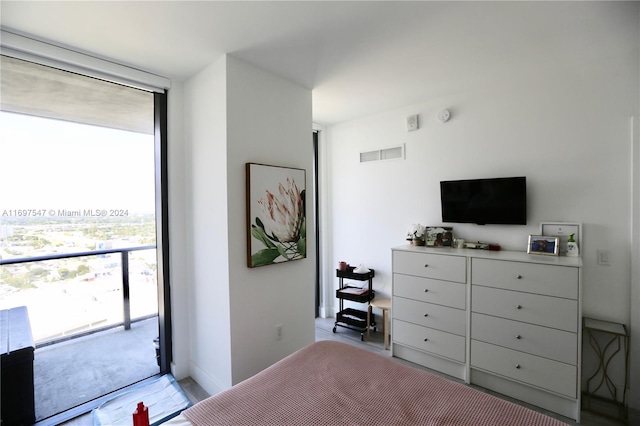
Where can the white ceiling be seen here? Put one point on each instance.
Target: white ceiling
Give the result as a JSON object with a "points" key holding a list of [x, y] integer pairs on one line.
{"points": [[359, 57]]}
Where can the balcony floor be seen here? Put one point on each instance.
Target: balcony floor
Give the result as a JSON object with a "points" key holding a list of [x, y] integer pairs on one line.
{"points": [[70, 373]]}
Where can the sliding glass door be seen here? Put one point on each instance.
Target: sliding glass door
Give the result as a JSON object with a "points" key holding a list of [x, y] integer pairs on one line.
{"points": [[83, 230]]}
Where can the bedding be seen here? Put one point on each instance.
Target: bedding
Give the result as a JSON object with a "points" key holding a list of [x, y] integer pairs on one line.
{"points": [[333, 383]]}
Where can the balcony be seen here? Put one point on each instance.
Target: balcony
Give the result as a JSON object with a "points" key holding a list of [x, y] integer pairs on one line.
{"points": [[70, 373], [95, 332]]}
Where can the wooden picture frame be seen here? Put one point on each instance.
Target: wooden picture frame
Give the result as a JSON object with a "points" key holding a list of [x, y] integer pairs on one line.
{"points": [[276, 214], [543, 244]]}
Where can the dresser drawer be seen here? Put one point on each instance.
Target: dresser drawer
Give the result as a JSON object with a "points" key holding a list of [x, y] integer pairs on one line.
{"points": [[441, 267], [429, 290], [537, 371], [550, 280], [535, 309], [429, 315], [542, 341], [429, 340]]}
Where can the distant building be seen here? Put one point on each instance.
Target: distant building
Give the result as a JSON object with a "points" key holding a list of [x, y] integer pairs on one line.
{"points": [[6, 231]]}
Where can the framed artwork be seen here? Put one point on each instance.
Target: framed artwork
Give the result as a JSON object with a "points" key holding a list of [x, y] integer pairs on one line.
{"points": [[276, 214], [543, 244], [562, 231], [439, 236]]}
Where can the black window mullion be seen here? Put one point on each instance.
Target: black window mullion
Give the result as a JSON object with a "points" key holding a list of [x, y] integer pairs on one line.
{"points": [[162, 230]]}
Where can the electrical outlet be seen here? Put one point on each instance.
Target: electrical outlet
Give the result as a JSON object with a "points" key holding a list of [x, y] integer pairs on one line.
{"points": [[279, 332]]}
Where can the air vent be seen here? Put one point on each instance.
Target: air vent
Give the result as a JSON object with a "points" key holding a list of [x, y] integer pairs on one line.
{"points": [[369, 156], [391, 153], [394, 153]]}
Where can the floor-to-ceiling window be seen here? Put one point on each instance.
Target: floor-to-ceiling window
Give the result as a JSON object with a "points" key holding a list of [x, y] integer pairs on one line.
{"points": [[316, 215], [83, 230]]}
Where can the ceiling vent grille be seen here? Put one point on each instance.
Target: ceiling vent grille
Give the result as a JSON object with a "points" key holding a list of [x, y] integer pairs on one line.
{"points": [[395, 153]]}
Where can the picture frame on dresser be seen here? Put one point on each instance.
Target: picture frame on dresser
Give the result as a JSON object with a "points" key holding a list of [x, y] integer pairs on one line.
{"points": [[562, 231], [439, 236], [543, 244]]}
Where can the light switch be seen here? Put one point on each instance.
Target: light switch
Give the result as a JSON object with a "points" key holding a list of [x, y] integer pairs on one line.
{"points": [[603, 257]]}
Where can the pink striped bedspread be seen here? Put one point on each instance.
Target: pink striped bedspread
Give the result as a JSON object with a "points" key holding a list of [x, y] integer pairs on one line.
{"points": [[332, 383]]}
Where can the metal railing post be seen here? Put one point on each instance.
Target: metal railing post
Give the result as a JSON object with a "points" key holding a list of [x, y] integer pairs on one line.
{"points": [[126, 302]]}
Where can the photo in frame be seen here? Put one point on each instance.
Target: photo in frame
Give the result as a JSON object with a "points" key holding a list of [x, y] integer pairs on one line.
{"points": [[543, 244], [276, 214], [439, 236]]}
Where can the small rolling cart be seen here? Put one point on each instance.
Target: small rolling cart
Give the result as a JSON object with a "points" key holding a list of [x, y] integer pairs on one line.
{"points": [[354, 319]]}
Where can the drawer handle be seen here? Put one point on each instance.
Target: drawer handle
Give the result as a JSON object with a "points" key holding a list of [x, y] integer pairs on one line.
{"points": [[518, 306], [426, 315], [425, 339], [426, 290], [518, 337], [519, 277], [426, 265], [518, 366]]}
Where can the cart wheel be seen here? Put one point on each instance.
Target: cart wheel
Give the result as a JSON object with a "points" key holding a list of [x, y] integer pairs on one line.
{"points": [[362, 337], [374, 328], [334, 329]]}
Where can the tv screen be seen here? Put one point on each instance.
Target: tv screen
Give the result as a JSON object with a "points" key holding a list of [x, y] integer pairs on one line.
{"points": [[485, 201]]}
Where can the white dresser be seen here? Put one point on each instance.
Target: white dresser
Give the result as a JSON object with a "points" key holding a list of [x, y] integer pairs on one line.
{"points": [[429, 310], [507, 321]]}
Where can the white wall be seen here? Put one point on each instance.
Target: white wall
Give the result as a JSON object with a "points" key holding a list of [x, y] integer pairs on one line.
{"points": [[234, 114], [634, 379], [207, 236], [566, 128], [269, 122], [177, 230], [634, 382]]}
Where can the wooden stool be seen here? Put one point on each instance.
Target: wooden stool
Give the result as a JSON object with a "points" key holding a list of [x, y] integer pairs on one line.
{"points": [[383, 303]]}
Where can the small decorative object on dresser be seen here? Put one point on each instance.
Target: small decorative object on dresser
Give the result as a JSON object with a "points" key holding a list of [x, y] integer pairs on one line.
{"points": [[543, 244], [415, 234], [440, 236], [572, 246]]}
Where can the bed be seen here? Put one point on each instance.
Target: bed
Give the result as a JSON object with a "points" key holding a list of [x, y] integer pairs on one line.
{"points": [[333, 383]]}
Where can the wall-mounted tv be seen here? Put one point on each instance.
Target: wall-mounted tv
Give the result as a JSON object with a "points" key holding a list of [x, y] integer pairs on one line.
{"points": [[485, 201]]}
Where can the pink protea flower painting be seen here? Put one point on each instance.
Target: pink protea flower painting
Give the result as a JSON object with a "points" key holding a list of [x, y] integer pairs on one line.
{"points": [[284, 214], [278, 225]]}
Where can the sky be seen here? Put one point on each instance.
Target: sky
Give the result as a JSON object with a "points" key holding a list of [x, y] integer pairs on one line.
{"points": [[52, 165]]}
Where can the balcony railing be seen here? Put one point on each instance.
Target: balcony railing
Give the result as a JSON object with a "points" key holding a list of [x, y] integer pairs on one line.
{"points": [[125, 287]]}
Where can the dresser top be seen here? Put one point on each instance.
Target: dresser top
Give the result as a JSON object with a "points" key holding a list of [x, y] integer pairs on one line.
{"points": [[518, 256]]}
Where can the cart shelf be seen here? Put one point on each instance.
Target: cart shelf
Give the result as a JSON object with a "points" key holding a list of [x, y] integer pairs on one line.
{"points": [[351, 318]]}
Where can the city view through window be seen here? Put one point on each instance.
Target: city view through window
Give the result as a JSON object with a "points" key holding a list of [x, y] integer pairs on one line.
{"points": [[69, 188]]}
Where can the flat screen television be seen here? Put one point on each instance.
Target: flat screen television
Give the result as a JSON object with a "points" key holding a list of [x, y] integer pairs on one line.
{"points": [[485, 201]]}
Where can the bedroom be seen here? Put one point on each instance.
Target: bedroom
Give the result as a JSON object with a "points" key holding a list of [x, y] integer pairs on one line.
{"points": [[543, 90]]}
